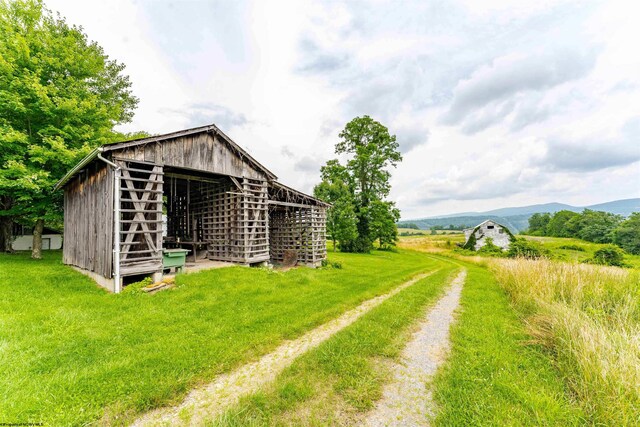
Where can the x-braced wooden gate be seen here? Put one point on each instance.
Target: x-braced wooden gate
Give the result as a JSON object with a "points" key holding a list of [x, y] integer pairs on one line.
{"points": [[140, 217]]}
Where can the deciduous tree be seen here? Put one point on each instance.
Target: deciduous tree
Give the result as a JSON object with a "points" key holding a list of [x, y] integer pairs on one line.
{"points": [[627, 234], [538, 223], [597, 226], [334, 189], [558, 225], [370, 151], [60, 96], [384, 216]]}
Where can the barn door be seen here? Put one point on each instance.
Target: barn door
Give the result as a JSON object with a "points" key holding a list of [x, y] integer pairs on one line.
{"points": [[141, 218]]}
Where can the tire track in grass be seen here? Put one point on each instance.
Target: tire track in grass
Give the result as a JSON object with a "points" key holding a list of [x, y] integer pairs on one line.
{"points": [[406, 400], [211, 400]]}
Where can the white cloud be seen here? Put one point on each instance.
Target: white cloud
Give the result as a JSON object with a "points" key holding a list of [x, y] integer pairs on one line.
{"points": [[494, 103], [490, 93], [595, 152]]}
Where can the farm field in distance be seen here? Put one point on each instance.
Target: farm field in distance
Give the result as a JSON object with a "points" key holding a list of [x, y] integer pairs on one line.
{"points": [[559, 248], [413, 231]]}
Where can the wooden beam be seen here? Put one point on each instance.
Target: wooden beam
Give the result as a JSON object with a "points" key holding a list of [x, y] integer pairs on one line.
{"points": [[293, 205]]}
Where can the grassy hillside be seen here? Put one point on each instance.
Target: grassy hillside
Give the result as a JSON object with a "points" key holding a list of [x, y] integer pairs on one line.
{"points": [[575, 250]]}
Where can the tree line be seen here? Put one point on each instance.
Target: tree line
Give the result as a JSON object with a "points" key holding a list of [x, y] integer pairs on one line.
{"points": [[589, 225], [414, 226]]}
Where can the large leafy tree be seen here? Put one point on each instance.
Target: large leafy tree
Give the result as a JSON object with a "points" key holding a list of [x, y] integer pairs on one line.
{"points": [[384, 216], [371, 151], [60, 96], [341, 216], [627, 235]]}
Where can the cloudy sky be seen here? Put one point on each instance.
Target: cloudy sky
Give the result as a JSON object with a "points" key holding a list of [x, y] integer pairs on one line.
{"points": [[494, 103]]}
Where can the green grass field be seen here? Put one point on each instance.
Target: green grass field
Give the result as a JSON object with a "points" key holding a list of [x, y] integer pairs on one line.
{"points": [[492, 377], [577, 324], [587, 318], [341, 379], [576, 250], [71, 353]]}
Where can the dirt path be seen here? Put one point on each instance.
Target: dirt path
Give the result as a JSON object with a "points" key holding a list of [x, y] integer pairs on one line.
{"points": [[407, 401], [211, 400]]}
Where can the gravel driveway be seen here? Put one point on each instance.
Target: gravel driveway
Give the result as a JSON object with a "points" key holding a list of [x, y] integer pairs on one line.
{"points": [[207, 402], [406, 400]]}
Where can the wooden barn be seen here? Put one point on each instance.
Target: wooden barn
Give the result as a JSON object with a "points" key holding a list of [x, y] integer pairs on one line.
{"points": [[476, 237], [126, 203]]}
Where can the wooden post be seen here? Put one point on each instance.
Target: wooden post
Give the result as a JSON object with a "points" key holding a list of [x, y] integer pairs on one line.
{"points": [[117, 285], [36, 249]]}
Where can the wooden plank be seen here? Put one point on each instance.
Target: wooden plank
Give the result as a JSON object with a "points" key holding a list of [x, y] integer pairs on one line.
{"points": [[88, 204]]}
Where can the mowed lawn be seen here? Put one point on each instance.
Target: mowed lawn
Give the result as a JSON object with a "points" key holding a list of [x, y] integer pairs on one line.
{"points": [[494, 375], [340, 380], [72, 353]]}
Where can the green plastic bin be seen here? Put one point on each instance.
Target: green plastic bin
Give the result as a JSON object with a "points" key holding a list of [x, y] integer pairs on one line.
{"points": [[174, 258]]}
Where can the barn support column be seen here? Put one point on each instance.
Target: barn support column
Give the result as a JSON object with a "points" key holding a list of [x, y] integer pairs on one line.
{"points": [[117, 286], [117, 282]]}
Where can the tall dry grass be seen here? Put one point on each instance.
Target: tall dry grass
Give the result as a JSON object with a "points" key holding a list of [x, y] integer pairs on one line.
{"points": [[589, 319]]}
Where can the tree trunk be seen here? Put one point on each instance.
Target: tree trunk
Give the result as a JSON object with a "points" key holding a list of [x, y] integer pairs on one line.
{"points": [[6, 225], [36, 249], [6, 234]]}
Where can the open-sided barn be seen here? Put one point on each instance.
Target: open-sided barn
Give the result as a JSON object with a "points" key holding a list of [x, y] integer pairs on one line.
{"points": [[125, 202]]}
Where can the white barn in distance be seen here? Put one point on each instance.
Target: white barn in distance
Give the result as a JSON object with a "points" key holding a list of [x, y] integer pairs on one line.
{"points": [[500, 235]]}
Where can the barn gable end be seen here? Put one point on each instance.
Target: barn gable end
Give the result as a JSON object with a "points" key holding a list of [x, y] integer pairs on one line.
{"points": [[206, 150], [476, 237]]}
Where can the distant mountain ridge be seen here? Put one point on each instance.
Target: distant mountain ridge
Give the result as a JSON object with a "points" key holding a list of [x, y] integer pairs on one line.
{"points": [[517, 218]]}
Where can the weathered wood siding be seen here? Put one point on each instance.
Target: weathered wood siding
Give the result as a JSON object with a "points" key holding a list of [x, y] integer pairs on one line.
{"points": [[203, 151], [88, 220], [299, 229], [235, 222]]}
